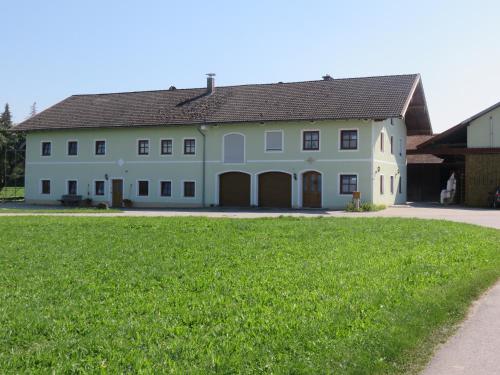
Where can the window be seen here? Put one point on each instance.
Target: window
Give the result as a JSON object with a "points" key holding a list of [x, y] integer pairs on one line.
{"points": [[143, 147], [274, 140], [166, 147], [45, 186], [72, 187], [392, 184], [165, 188], [348, 139], [400, 185], [392, 145], [348, 183], [234, 148], [143, 188], [400, 147], [189, 189], [100, 147], [72, 148], [381, 184], [382, 141], [99, 188], [189, 146], [310, 140], [46, 148]]}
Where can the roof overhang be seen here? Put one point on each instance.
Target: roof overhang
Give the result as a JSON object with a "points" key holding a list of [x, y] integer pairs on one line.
{"points": [[415, 112]]}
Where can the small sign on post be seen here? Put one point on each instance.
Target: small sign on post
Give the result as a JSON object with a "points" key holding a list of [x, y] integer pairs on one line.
{"points": [[356, 197]]}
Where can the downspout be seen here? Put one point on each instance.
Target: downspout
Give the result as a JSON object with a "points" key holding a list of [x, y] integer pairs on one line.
{"points": [[204, 164]]}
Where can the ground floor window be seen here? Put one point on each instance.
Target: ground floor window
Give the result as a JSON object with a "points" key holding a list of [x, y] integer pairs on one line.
{"points": [[143, 188], [72, 187], [189, 189], [165, 188], [99, 188], [400, 186], [381, 184], [348, 183], [45, 186], [392, 184]]}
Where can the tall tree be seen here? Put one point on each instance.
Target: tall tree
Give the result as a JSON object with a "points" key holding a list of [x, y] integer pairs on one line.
{"points": [[6, 118]]}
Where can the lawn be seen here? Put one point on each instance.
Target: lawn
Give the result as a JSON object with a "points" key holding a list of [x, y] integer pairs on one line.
{"points": [[58, 210], [198, 295]]}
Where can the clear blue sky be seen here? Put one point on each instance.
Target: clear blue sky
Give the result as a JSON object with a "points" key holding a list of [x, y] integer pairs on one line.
{"points": [[53, 49]]}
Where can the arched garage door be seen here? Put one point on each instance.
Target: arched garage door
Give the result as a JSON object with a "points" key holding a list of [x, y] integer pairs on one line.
{"points": [[275, 190], [234, 189]]}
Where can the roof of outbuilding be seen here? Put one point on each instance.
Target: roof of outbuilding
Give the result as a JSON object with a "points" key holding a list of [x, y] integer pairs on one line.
{"points": [[349, 98]]}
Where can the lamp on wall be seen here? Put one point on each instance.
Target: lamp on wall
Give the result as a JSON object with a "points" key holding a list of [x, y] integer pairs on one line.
{"points": [[295, 176], [106, 177]]}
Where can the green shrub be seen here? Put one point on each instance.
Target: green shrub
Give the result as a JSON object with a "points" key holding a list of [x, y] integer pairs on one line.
{"points": [[364, 207]]}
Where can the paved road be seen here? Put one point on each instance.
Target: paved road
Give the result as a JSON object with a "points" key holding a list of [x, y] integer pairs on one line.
{"points": [[484, 217], [475, 348]]}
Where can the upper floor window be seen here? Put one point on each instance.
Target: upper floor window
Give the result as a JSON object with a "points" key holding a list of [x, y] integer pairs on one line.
{"points": [[348, 139], [382, 142], [143, 147], [72, 187], [166, 147], [46, 148], [392, 145], [189, 146], [143, 188], [274, 140], [310, 140], [72, 148], [99, 188], [100, 147], [234, 148], [348, 183], [45, 186]]}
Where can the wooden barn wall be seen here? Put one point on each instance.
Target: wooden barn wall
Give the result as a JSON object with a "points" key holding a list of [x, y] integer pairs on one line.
{"points": [[482, 175]]}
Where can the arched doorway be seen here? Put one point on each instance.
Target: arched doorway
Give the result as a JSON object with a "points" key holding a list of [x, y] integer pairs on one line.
{"points": [[311, 189], [234, 189], [275, 190]]}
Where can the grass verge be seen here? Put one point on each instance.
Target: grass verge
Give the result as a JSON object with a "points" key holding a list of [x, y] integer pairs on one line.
{"points": [[198, 295]]}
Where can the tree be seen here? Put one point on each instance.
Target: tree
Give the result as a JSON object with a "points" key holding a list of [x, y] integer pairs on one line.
{"points": [[6, 118], [11, 151]]}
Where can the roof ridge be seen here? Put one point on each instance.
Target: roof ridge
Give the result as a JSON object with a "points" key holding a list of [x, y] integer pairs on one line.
{"points": [[251, 84]]}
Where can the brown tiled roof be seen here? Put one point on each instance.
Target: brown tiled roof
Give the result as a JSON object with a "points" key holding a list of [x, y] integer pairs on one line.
{"points": [[412, 141], [349, 98]]}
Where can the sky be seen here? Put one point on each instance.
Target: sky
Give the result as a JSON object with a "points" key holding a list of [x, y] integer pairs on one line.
{"points": [[54, 49]]}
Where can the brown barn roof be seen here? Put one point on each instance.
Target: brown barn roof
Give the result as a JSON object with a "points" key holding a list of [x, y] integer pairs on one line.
{"points": [[350, 98], [412, 142]]}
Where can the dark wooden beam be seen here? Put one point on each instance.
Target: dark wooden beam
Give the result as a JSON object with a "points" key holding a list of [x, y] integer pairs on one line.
{"points": [[454, 151]]}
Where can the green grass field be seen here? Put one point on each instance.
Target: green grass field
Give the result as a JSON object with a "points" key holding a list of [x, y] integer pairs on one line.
{"points": [[197, 295], [11, 192]]}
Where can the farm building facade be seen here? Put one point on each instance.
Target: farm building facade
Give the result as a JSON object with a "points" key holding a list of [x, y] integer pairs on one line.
{"points": [[303, 144]]}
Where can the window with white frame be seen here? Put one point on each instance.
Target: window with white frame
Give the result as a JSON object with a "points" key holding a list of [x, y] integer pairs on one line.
{"points": [[166, 147], [72, 187], [348, 139], [234, 148], [143, 147], [381, 141], [46, 148], [45, 186], [165, 188], [143, 188], [348, 183], [274, 140], [100, 147], [381, 184], [189, 189], [189, 146], [99, 188], [392, 184], [72, 148], [392, 145]]}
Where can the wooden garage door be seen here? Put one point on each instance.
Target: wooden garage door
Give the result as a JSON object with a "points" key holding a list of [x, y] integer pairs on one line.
{"points": [[234, 189], [275, 190]]}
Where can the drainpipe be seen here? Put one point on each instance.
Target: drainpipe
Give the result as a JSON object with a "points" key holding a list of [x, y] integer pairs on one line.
{"points": [[204, 164]]}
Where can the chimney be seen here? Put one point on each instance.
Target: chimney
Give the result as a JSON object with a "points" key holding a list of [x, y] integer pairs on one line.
{"points": [[210, 83], [327, 77]]}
